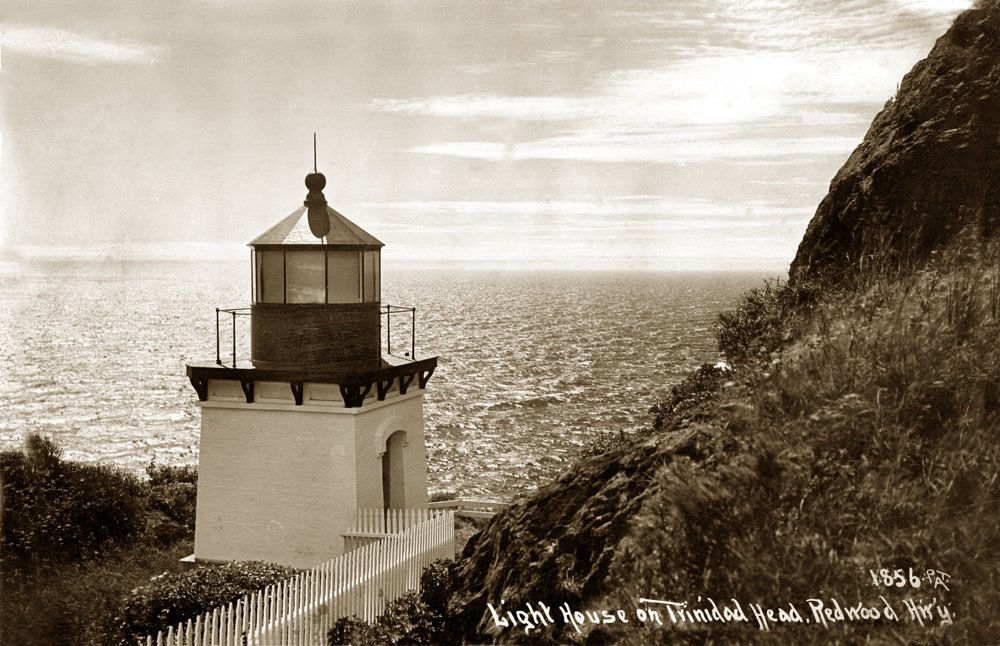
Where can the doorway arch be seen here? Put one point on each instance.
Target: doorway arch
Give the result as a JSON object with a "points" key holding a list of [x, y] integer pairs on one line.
{"points": [[393, 489]]}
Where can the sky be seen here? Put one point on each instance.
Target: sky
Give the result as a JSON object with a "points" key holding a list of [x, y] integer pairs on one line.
{"points": [[686, 134]]}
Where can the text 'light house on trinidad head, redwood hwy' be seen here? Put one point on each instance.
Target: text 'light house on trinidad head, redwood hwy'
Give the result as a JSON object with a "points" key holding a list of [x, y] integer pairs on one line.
{"points": [[319, 422]]}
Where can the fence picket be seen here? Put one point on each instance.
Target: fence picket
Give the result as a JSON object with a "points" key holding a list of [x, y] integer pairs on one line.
{"points": [[392, 547]]}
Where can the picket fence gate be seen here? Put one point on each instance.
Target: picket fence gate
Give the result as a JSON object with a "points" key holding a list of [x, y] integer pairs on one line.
{"points": [[301, 610], [371, 525]]}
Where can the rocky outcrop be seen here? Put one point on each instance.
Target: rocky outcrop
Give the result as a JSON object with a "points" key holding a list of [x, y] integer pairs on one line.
{"points": [[927, 167], [558, 544]]}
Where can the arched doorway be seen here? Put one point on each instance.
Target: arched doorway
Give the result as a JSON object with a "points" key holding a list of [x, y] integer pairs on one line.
{"points": [[393, 496]]}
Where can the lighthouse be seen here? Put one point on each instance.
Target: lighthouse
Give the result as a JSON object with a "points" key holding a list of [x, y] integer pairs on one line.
{"points": [[320, 421]]}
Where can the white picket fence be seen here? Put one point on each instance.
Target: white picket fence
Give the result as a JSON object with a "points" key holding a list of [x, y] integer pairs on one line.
{"points": [[370, 525], [301, 610]]}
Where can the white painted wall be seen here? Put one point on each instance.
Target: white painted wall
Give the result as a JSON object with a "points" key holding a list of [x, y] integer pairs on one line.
{"points": [[277, 482]]}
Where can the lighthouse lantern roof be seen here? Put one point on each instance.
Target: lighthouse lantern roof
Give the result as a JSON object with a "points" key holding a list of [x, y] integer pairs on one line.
{"points": [[294, 230]]}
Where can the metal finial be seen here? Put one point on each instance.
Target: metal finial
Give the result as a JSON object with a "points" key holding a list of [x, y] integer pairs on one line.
{"points": [[319, 221]]}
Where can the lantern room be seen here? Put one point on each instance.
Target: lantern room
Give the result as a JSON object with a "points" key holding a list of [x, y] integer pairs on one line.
{"points": [[315, 275], [316, 290]]}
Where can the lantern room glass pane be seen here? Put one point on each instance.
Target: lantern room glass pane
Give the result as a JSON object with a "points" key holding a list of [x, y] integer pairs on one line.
{"points": [[371, 277], [305, 281], [270, 277], [343, 277]]}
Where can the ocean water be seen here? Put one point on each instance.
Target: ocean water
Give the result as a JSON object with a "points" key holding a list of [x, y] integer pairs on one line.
{"points": [[531, 365]]}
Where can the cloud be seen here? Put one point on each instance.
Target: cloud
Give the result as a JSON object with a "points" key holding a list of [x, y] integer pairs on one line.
{"points": [[731, 104], [800, 25], [766, 79], [935, 7], [618, 207], [660, 147], [74, 47], [621, 231], [725, 87], [525, 108], [727, 104]]}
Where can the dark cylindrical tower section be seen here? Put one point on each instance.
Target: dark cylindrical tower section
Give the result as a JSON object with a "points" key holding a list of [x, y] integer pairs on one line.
{"points": [[316, 337]]}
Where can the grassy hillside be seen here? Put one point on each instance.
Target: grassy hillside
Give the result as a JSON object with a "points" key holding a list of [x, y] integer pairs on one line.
{"points": [[857, 431], [844, 472]]}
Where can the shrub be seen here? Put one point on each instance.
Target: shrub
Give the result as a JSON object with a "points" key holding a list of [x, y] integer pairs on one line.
{"points": [[172, 496], [413, 618], [693, 394], [762, 321], [697, 390], [61, 511], [171, 598], [165, 474], [75, 604], [439, 496], [77, 537], [606, 441], [406, 620], [436, 585]]}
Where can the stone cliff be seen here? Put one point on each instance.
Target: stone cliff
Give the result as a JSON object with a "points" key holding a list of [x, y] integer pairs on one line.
{"points": [[928, 166]]}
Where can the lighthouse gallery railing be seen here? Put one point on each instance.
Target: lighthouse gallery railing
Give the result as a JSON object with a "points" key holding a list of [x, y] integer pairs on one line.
{"points": [[388, 311], [234, 312]]}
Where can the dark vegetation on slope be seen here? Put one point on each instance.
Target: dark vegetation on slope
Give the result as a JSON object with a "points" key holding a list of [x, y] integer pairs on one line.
{"points": [[77, 537], [89, 553], [857, 430]]}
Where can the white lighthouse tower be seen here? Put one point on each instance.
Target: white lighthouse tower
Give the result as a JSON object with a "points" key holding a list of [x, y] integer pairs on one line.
{"points": [[319, 422]]}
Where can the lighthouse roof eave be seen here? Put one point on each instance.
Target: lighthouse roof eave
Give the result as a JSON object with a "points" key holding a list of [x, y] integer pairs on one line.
{"points": [[293, 231]]}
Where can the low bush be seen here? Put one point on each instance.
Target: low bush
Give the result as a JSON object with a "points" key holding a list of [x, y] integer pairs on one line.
{"points": [[607, 441], [439, 496], [765, 318], [57, 511], [75, 604], [172, 493], [171, 598], [167, 474], [415, 619], [693, 394], [687, 401], [406, 620]]}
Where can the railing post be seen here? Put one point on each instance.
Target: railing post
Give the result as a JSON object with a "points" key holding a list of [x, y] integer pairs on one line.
{"points": [[218, 356], [234, 338], [413, 333], [388, 329]]}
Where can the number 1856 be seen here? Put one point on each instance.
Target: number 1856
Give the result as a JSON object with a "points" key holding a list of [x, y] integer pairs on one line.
{"points": [[895, 578]]}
